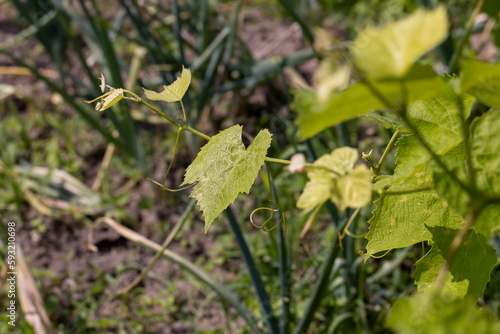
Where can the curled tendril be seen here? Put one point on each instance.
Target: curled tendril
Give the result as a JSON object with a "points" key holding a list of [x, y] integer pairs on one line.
{"points": [[170, 166], [375, 256], [282, 221], [346, 231], [263, 225], [381, 256]]}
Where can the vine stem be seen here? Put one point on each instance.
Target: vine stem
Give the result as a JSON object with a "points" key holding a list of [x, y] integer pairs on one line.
{"points": [[186, 127], [386, 151]]}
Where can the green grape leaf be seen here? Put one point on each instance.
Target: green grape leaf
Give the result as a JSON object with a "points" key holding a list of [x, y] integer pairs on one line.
{"points": [[446, 186], [469, 271], [333, 177], [433, 312], [173, 92], [391, 51], [485, 145], [410, 155], [485, 152], [438, 120], [224, 168], [315, 115], [481, 80], [400, 218]]}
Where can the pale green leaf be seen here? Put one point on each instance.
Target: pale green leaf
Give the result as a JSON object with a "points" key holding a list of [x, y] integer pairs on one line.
{"points": [[353, 190], [391, 51], [224, 168], [438, 313], [481, 80], [469, 271], [173, 92], [399, 219], [333, 177], [315, 115], [109, 99]]}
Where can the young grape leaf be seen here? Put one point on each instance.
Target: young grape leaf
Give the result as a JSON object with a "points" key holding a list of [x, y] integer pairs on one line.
{"points": [[391, 51], [224, 168], [469, 271], [435, 312], [399, 219], [108, 100], [333, 177], [481, 80], [173, 92]]}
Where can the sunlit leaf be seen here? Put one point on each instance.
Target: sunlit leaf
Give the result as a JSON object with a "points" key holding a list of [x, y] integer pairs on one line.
{"points": [[110, 99], [224, 168], [173, 92], [391, 51], [334, 177]]}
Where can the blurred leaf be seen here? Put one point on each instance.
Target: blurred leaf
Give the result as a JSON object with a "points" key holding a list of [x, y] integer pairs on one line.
{"points": [[315, 115], [436, 313], [224, 168], [391, 51], [388, 122], [331, 77], [481, 80], [469, 271], [334, 177], [492, 8], [173, 92]]}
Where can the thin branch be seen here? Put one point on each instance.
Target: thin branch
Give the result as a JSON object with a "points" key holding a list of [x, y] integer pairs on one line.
{"points": [[386, 151]]}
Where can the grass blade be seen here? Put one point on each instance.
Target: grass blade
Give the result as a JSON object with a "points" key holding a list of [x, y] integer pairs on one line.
{"points": [[253, 272]]}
